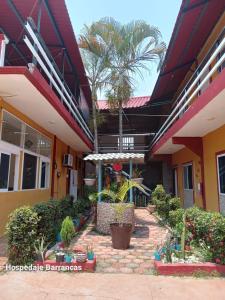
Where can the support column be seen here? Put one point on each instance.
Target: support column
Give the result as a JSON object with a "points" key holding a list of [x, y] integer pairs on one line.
{"points": [[99, 180], [131, 172], [3, 42]]}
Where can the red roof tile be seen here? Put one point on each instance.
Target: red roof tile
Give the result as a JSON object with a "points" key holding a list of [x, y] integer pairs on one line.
{"points": [[132, 103]]}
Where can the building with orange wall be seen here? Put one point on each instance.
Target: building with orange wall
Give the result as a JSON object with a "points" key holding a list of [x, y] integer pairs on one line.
{"points": [[44, 105], [192, 86]]}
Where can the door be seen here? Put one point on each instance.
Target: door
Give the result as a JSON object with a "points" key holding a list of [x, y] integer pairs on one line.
{"points": [[221, 181], [188, 185], [73, 184], [175, 183]]}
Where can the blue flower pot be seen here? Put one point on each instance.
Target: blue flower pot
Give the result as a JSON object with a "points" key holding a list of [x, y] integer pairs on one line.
{"points": [[178, 247], [90, 256], [68, 258], [58, 237], [157, 256], [76, 222], [163, 250]]}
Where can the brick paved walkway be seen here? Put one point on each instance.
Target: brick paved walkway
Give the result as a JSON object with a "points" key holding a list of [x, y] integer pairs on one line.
{"points": [[138, 259]]}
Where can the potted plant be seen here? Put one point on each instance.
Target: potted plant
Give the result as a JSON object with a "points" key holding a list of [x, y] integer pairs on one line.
{"points": [[68, 257], [90, 252], [120, 231], [60, 256], [67, 231], [40, 249], [137, 176], [90, 179]]}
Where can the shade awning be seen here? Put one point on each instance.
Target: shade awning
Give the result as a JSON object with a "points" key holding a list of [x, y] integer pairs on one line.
{"points": [[116, 157]]}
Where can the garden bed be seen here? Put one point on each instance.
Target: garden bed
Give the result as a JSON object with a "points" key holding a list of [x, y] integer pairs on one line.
{"points": [[52, 265], [187, 268]]}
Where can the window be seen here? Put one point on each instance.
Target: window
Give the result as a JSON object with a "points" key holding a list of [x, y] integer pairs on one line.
{"points": [[128, 143], [7, 171], [31, 139], [45, 146], [188, 184], [44, 175], [221, 173], [11, 129], [29, 171]]}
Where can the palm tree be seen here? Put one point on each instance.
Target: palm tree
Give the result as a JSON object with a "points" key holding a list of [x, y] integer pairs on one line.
{"points": [[95, 56], [130, 48]]}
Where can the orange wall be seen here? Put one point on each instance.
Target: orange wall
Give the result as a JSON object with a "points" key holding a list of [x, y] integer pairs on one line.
{"points": [[213, 142], [12, 200], [178, 160]]}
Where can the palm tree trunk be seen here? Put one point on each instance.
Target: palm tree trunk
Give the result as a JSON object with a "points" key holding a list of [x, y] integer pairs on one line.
{"points": [[95, 127], [121, 128]]}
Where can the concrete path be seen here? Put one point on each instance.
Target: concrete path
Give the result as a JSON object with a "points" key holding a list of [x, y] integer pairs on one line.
{"points": [[86, 286], [138, 258]]}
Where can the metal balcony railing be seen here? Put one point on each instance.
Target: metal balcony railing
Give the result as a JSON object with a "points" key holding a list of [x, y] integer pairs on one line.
{"points": [[40, 52], [202, 77]]}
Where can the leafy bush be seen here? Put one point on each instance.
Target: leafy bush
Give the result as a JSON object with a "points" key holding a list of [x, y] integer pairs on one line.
{"points": [[175, 217], [174, 203], [66, 207], [22, 233], [67, 231], [158, 194]]}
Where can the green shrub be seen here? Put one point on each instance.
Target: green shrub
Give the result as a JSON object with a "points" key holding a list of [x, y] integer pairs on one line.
{"points": [[67, 231], [66, 207], [175, 217], [158, 193], [22, 233], [174, 203]]}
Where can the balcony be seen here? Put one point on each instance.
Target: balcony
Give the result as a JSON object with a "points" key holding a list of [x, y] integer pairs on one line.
{"points": [[203, 81]]}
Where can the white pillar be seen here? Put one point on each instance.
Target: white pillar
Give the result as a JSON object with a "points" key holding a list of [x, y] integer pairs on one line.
{"points": [[3, 42]]}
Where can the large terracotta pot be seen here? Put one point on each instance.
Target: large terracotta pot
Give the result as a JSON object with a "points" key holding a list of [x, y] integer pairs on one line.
{"points": [[89, 181], [121, 235]]}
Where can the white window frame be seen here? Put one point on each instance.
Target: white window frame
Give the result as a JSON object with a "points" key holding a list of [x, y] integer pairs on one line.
{"points": [[10, 149], [47, 161], [218, 173], [184, 166]]}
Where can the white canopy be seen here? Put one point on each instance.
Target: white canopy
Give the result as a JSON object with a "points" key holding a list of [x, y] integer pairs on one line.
{"points": [[119, 157]]}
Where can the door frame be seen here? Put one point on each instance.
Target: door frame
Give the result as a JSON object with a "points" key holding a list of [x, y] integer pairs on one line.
{"points": [[190, 163], [218, 154]]}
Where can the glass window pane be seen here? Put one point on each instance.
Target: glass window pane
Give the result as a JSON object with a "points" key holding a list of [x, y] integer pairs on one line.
{"points": [[12, 172], [190, 184], [4, 171], [11, 129], [45, 146], [44, 174], [31, 139], [29, 171], [221, 161]]}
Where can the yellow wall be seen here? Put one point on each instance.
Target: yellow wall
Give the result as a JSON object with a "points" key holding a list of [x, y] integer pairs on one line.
{"points": [[178, 160], [11, 200], [213, 143]]}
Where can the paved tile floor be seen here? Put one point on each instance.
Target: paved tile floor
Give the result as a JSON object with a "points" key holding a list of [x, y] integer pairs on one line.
{"points": [[3, 252], [138, 258]]}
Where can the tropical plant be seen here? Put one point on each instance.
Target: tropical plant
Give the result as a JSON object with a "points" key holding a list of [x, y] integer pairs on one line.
{"points": [[116, 53], [67, 231], [119, 198], [41, 247], [95, 55], [137, 173]]}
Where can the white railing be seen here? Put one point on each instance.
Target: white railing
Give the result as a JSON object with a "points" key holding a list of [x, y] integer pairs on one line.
{"points": [[188, 96], [54, 78]]}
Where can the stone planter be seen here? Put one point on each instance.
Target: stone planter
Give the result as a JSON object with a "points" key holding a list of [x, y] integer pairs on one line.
{"points": [[138, 180], [105, 216], [89, 181]]}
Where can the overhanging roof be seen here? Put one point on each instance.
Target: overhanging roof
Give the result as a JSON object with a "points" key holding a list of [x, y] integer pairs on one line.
{"points": [[55, 29], [194, 23], [133, 102], [116, 157]]}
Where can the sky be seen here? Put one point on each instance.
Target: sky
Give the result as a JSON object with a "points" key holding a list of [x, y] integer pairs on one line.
{"points": [[160, 13]]}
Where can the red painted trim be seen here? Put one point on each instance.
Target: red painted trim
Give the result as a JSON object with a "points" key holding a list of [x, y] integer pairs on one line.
{"points": [[44, 88], [164, 157], [53, 166], [209, 94], [187, 269], [193, 143]]}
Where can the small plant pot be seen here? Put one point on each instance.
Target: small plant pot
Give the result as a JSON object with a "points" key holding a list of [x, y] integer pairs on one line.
{"points": [[90, 256], [157, 256], [60, 257], [81, 257], [151, 208], [178, 247], [138, 180], [68, 258], [39, 257], [121, 235], [89, 181]]}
